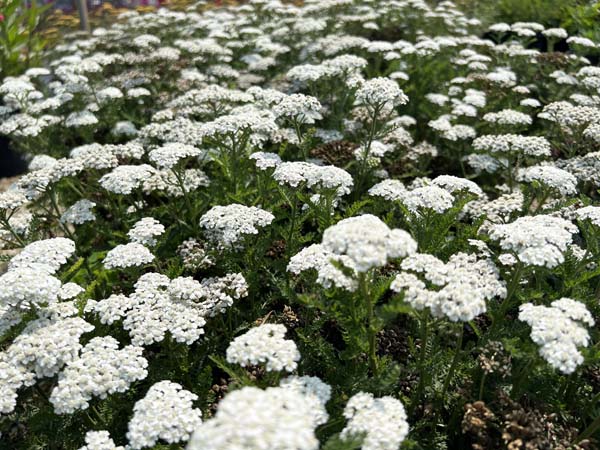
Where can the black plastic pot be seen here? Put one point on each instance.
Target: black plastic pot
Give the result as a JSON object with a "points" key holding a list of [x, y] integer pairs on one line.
{"points": [[11, 162]]}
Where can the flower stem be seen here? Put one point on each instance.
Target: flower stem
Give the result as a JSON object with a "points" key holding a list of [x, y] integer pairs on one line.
{"points": [[455, 361], [371, 329]]}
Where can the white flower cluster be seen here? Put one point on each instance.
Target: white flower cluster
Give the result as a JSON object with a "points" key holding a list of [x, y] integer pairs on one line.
{"points": [[255, 419], [316, 257], [508, 117], [457, 289], [265, 160], [128, 255], [41, 350], [513, 143], [226, 226], [559, 330], [46, 255], [315, 177], [265, 344], [125, 179], [299, 108], [379, 93], [168, 155], [160, 305], [166, 414], [79, 212], [25, 288], [558, 180], [591, 213], [99, 440], [382, 421], [367, 242], [314, 390], [145, 231], [100, 370], [536, 240]]}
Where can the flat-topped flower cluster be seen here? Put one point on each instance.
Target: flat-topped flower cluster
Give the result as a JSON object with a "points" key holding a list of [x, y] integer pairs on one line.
{"points": [[338, 224]]}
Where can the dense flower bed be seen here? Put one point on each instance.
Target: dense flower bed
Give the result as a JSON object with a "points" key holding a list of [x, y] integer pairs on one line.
{"points": [[348, 224]]}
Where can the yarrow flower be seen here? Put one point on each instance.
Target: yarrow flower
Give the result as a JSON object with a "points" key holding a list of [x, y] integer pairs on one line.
{"points": [[558, 180], [46, 255], [379, 93], [125, 179], [367, 242], [315, 177], [145, 231], [166, 414], [559, 330], [128, 255], [101, 369], [299, 108], [383, 421], [168, 155], [457, 289], [253, 419], [536, 240], [227, 225], [265, 160], [316, 257], [79, 212], [99, 440], [265, 344]]}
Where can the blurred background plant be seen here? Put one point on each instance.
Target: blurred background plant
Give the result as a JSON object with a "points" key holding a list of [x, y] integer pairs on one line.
{"points": [[21, 43]]}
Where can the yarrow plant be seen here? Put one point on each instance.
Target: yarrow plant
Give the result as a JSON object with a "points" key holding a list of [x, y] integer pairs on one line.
{"points": [[275, 225]]}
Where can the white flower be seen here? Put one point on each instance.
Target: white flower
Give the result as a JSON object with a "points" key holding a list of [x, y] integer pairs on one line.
{"points": [[367, 241], [316, 257], [508, 117], [315, 177], [99, 440], [555, 33], [456, 184], [165, 413], [536, 240], [128, 255], [79, 213], [253, 419], [145, 231], [380, 93], [227, 225], [12, 199], [125, 179], [167, 156], [559, 330], [299, 108], [69, 291], [314, 390], [25, 288], [80, 119], [560, 181], [100, 370], [389, 189], [46, 255], [265, 160], [382, 420], [431, 197], [265, 344], [591, 213], [459, 288], [41, 350]]}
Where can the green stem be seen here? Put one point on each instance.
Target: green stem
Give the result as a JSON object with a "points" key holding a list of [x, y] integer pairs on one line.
{"points": [[455, 361], [589, 431], [481, 386], [371, 329], [421, 365]]}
